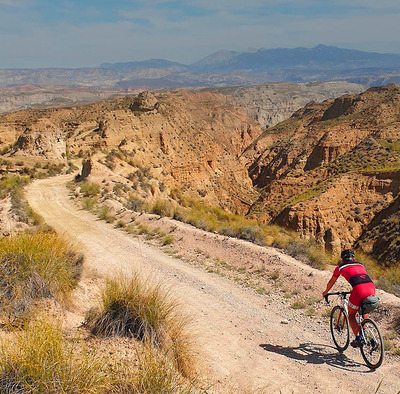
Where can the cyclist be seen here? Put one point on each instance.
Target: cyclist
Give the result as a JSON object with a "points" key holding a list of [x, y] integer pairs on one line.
{"points": [[363, 287]]}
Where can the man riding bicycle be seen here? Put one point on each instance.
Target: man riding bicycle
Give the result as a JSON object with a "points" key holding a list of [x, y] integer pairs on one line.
{"points": [[363, 287]]}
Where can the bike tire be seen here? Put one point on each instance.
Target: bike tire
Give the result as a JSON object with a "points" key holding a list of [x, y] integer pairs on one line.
{"points": [[339, 324], [373, 350]]}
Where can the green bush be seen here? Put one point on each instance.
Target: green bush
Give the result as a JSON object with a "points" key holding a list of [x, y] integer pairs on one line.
{"points": [[167, 239], [8, 183]]}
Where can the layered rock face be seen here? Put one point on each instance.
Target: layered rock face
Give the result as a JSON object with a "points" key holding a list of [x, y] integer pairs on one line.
{"points": [[272, 103], [331, 168]]}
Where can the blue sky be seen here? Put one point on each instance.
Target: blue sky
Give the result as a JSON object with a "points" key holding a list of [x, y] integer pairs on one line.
{"points": [[61, 33]]}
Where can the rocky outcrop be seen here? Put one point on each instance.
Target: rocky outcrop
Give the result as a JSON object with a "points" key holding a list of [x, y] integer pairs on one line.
{"points": [[41, 139], [145, 101], [86, 170]]}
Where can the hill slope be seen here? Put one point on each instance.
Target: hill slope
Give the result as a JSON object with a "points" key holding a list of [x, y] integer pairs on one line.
{"points": [[332, 168]]}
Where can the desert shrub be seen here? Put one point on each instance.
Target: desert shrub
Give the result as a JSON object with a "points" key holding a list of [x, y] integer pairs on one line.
{"points": [[167, 239], [104, 213], [308, 251], [228, 231], [120, 224], [297, 248], [90, 189], [35, 265], [389, 280], [253, 234], [89, 203], [134, 307], [156, 374], [317, 258], [41, 360], [71, 168], [135, 204], [55, 169], [120, 188], [298, 305], [163, 208]]}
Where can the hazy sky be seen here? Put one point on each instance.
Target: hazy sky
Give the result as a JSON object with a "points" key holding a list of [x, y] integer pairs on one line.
{"points": [[72, 33]]}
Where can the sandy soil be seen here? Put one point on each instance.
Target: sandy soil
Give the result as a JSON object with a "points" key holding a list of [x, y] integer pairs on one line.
{"points": [[248, 340]]}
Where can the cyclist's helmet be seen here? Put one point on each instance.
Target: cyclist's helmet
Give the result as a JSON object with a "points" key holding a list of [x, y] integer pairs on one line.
{"points": [[348, 254]]}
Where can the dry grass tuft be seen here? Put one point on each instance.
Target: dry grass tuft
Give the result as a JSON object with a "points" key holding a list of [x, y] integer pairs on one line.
{"points": [[35, 265], [133, 307], [38, 360]]}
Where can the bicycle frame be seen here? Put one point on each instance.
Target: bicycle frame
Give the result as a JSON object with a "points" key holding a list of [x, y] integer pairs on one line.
{"points": [[344, 303], [371, 338]]}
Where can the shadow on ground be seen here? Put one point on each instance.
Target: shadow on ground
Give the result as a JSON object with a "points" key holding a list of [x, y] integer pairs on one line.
{"points": [[311, 353]]}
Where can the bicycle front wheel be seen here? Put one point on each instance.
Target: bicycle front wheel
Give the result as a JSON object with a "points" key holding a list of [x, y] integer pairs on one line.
{"points": [[372, 350], [340, 328]]}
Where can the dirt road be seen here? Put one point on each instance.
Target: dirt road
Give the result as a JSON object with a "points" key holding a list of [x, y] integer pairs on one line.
{"points": [[242, 336]]}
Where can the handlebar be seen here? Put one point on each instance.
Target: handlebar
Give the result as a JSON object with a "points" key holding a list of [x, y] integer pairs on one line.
{"points": [[342, 294]]}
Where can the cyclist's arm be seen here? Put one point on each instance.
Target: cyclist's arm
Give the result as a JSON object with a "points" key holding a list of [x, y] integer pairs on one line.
{"points": [[331, 282]]}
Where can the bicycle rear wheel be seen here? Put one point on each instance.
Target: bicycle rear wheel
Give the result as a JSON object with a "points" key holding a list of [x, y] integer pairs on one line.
{"points": [[340, 328], [372, 350]]}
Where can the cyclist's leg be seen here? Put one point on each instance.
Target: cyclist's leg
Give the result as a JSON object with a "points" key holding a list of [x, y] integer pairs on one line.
{"points": [[352, 320], [354, 303]]}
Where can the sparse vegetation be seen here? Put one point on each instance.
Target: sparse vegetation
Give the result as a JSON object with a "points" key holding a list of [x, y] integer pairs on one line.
{"points": [[20, 206], [8, 183], [216, 219], [298, 305]]}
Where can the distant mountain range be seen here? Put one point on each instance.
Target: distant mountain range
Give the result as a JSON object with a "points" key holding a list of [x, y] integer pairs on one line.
{"points": [[321, 57], [225, 68]]}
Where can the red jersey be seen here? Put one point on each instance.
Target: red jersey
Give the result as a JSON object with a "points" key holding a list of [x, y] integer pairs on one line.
{"points": [[355, 273]]}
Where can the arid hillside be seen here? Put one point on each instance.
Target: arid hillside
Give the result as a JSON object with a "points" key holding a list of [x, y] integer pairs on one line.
{"points": [[186, 141], [332, 171]]}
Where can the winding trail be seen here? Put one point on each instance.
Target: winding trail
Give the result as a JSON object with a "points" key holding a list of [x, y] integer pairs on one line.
{"points": [[241, 334]]}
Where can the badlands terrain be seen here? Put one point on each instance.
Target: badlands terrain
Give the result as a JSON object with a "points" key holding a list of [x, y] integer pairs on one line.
{"points": [[329, 172]]}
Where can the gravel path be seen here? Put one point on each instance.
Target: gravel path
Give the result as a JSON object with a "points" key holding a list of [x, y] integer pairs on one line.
{"points": [[242, 335]]}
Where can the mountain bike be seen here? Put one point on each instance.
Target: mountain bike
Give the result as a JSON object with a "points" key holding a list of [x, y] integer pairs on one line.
{"points": [[372, 349]]}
